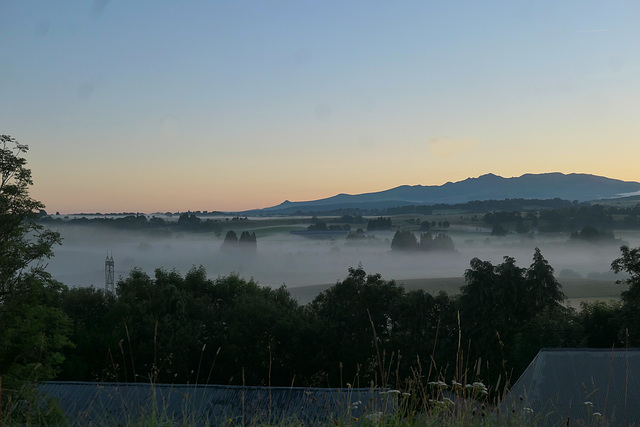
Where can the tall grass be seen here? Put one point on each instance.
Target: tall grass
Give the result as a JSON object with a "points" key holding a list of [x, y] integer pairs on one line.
{"points": [[430, 396]]}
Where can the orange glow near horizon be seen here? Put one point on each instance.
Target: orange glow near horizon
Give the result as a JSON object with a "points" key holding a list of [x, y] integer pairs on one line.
{"points": [[315, 100]]}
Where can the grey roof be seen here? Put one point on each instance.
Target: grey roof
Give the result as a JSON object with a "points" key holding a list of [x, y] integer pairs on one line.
{"points": [[578, 383], [126, 403]]}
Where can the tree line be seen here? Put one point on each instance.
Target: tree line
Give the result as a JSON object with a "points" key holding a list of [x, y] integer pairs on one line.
{"points": [[171, 328]]}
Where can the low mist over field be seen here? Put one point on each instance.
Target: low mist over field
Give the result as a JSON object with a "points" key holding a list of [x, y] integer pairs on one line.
{"points": [[283, 258]]}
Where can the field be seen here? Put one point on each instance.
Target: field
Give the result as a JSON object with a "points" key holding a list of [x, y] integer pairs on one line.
{"points": [[576, 290]]}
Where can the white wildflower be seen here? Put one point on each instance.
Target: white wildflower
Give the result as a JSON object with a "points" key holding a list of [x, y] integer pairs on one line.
{"points": [[438, 384], [375, 417]]}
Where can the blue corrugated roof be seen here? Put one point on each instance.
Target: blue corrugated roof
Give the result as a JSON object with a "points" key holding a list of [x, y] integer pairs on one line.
{"points": [[578, 383], [123, 403]]}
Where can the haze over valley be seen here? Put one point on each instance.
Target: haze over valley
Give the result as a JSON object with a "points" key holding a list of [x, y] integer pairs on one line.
{"points": [[297, 261]]}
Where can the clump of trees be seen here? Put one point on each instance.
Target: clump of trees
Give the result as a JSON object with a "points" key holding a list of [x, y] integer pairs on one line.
{"points": [[358, 235], [188, 222], [404, 240], [508, 313], [352, 219], [380, 223], [591, 234], [247, 242]]}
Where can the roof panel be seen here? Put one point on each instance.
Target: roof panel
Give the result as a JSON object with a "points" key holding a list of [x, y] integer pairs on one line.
{"points": [[113, 403], [576, 383]]}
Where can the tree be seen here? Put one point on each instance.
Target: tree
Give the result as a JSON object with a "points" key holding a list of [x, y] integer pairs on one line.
{"points": [[92, 320], [499, 230], [509, 312], [543, 288], [189, 221], [629, 263], [22, 240], [349, 312], [380, 223], [248, 241], [33, 329], [404, 240], [591, 234], [230, 241], [440, 242], [601, 324]]}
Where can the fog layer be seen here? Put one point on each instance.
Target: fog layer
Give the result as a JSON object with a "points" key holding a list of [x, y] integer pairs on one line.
{"points": [[282, 258]]}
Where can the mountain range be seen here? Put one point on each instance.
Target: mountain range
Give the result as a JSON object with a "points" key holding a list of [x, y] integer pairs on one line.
{"points": [[581, 187]]}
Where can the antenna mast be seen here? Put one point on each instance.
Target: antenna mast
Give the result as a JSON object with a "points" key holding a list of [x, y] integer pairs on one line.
{"points": [[109, 285]]}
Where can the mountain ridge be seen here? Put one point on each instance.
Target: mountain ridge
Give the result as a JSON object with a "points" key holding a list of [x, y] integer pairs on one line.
{"points": [[572, 186]]}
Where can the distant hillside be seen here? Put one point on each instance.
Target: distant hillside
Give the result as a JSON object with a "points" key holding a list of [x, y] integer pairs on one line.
{"points": [[581, 187]]}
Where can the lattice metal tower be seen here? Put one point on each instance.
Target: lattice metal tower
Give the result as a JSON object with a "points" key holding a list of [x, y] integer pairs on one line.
{"points": [[109, 284]]}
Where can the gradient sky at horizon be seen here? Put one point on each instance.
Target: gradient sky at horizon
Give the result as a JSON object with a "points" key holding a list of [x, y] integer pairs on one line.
{"points": [[230, 105]]}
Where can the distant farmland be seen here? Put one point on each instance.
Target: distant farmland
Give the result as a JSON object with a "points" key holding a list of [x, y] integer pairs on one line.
{"points": [[576, 289]]}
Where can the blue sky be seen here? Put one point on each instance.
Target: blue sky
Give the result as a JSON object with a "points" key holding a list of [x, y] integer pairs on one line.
{"points": [[229, 105]]}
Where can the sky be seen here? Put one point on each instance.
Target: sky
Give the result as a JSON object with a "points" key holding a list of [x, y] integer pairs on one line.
{"points": [[154, 106]]}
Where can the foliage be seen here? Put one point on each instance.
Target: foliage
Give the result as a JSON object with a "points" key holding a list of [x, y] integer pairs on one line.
{"points": [[167, 327], [33, 330], [499, 305], [404, 240], [629, 262], [230, 241], [318, 226], [439, 242], [499, 230], [592, 235], [352, 219], [33, 336], [92, 320], [22, 240], [601, 324], [380, 223], [356, 320], [248, 241], [189, 221]]}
